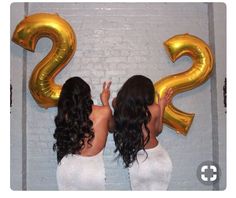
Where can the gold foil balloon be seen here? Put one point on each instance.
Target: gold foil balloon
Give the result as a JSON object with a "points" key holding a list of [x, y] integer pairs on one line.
{"points": [[27, 33], [198, 50]]}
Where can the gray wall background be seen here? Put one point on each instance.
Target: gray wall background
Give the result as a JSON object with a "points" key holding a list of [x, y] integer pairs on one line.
{"points": [[114, 42]]}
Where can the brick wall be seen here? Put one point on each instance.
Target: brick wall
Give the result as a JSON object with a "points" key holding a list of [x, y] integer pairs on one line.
{"points": [[114, 42]]}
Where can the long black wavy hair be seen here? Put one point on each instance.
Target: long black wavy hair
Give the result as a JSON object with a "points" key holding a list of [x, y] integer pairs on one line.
{"points": [[131, 116], [73, 126]]}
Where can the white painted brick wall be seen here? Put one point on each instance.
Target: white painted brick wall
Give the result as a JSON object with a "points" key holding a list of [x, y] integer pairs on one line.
{"points": [[114, 42], [16, 109]]}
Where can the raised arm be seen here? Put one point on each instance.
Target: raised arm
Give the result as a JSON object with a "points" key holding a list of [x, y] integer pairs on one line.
{"points": [[104, 96], [162, 103]]}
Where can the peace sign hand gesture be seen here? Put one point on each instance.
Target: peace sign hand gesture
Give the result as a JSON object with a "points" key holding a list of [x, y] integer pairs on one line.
{"points": [[105, 94]]}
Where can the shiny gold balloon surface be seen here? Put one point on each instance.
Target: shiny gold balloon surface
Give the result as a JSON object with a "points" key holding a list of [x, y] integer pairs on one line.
{"points": [[202, 58], [27, 33]]}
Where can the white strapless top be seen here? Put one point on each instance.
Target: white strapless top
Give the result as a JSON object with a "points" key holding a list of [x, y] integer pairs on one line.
{"points": [[153, 172], [76, 172]]}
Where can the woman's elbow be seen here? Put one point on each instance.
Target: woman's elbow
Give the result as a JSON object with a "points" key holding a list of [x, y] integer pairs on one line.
{"points": [[159, 130], [111, 125]]}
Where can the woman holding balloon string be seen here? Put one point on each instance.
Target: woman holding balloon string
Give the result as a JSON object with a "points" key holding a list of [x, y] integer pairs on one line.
{"points": [[137, 123], [81, 133]]}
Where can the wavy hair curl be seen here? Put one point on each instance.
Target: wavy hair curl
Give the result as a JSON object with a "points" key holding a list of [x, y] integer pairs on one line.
{"points": [[73, 126], [131, 116]]}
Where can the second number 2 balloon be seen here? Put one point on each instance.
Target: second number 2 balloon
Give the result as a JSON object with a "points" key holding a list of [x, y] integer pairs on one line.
{"points": [[198, 50]]}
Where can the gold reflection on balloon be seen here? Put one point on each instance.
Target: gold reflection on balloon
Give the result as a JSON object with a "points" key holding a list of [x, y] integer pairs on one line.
{"points": [[198, 50], [27, 33]]}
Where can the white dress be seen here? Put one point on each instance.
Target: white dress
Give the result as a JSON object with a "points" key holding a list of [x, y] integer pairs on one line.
{"points": [[76, 172], [153, 172]]}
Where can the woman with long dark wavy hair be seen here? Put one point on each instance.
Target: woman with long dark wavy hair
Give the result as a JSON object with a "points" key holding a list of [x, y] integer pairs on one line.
{"points": [[137, 123], [81, 133]]}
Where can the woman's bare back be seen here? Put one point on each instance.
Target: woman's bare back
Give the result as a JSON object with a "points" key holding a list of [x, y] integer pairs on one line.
{"points": [[100, 116], [152, 126]]}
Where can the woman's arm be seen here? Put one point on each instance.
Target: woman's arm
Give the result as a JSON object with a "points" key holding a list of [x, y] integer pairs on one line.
{"points": [[113, 103], [162, 103], [159, 123], [111, 124], [104, 96]]}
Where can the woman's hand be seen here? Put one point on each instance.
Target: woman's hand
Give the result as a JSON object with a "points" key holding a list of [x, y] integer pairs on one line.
{"points": [[105, 94], [166, 98]]}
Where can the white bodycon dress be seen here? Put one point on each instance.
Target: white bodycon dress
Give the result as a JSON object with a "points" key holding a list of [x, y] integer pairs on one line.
{"points": [[76, 172], [153, 172]]}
